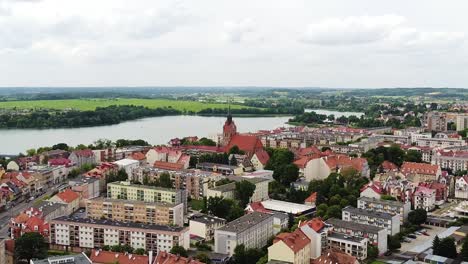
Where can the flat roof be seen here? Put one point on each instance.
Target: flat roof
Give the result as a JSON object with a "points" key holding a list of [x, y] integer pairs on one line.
{"points": [[124, 162], [108, 222], [428, 243], [203, 218], [345, 237], [210, 164], [388, 202], [245, 222], [358, 211], [288, 207], [47, 207], [225, 187], [77, 259], [353, 226]]}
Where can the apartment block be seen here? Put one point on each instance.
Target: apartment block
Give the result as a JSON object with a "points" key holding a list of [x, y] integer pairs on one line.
{"points": [[136, 211], [253, 230], [385, 206], [205, 225], [377, 236], [76, 234], [390, 222], [135, 192], [351, 245]]}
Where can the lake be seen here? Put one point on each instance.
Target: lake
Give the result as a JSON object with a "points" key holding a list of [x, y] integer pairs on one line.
{"points": [[336, 113], [155, 130]]}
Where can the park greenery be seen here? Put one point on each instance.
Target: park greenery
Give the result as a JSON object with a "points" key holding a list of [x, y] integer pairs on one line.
{"points": [[29, 246]]}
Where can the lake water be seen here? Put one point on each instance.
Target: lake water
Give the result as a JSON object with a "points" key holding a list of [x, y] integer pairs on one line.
{"points": [[155, 130], [336, 113]]}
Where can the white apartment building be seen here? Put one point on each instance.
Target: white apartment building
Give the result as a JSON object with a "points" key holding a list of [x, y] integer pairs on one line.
{"points": [[453, 160], [253, 230], [351, 245], [128, 165], [424, 198], [385, 206], [440, 140], [204, 226], [383, 220], [83, 233]]}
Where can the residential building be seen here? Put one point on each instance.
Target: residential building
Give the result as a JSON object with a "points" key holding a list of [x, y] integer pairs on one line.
{"points": [[420, 172], [228, 190], [260, 159], [271, 206], [390, 222], [220, 168], [77, 234], [354, 246], [204, 226], [52, 154], [136, 211], [81, 157], [291, 248], [99, 256], [462, 122], [451, 160], [424, 198], [71, 259], [12, 166], [372, 190], [102, 172], [441, 191], [436, 121], [47, 210], [135, 192], [164, 257], [167, 158], [252, 230], [127, 165], [320, 168], [461, 187], [440, 140], [385, 206], [87, 188], [104, 155], [377, 235], [68, 197], [317, 232]]}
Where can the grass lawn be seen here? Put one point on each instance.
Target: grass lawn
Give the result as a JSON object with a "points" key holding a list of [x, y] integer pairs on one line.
{"points": [[196, 204], [91, 104], [377, 262]]}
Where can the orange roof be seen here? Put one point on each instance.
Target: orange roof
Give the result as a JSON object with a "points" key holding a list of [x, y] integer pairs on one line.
{"points": [[21, 218], [344, 161], [168, 165], [105, 257], [302, 162], [334, 256], [262, 156], [316, 224], [138, 156], [68, 196], [312, 198], [423, 168], [167, 258], [247, 143], [389, 166], [296, 240], [309, 151]]}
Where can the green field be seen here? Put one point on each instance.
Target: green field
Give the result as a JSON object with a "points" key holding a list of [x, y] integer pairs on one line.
{"points": [[91, 104]]}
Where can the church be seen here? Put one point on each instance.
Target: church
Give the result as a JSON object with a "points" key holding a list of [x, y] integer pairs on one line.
{"points": [[230, 138]]}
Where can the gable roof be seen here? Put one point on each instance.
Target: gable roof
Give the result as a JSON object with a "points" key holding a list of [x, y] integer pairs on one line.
{"points": [[345, 161], [388, 166], [316, 224], [422, 168], [334, 257], [106, 257], [296, 240], [168, 165], [312, 198], [375, 186], [246, 143], [138, 156], [167, 258], [262, 156], [68, 196]]}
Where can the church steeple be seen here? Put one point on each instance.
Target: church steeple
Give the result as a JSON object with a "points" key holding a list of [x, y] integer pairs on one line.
{"points": [[229, 128], [229, 116]]}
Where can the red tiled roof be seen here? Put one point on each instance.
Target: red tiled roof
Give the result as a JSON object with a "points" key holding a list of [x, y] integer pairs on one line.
{"points": [[258, 207], [423, 168], [309, 151], [375, 186], [316, 224], [68, 196], [389, 166], [334, 256], [21, 218], [249, 144], [302, 162], [344, 161], [296, 240], [312, 198], [262, 156], [107, 257], [168, 165], [138, 156], [59, 161], [36, 224], [167, 258]]}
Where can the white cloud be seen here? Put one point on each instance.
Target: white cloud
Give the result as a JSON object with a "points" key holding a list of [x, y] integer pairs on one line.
{"points": [[236, 31]]}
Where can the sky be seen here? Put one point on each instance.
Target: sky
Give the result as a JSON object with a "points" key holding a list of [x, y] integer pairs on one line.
{"points": [[332, 43]]}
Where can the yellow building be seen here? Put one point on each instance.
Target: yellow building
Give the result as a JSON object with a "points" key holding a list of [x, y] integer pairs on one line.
{"points": [[290, 247]]}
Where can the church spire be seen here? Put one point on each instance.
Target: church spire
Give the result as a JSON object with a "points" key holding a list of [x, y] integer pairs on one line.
{"points": [[229, 116]]}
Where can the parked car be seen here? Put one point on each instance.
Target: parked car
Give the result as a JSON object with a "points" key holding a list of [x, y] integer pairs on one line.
{"points": [[411, 236], [388, 253], [418, 233]]}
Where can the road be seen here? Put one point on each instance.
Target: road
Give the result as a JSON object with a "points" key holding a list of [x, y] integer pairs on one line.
{"points": [[14, 211]]}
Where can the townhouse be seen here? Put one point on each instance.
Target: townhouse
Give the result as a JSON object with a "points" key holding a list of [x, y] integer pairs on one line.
{"points": [[77, 234], [420, 172], [136, 211], [385, 206], [252, 230], [81, 157], [390, 222], [69, 198]]}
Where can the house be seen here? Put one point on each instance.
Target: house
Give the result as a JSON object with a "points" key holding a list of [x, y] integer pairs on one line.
{"points": [[461, 187], [52, 154], [104, 155], [12, 166], [372, 190], [127, 165], [140, 157], [316, 230], [441, 191], [260, 159], [99, 256], [311, 200], [163, 155], [424, 198], [164, 257], [82, 157], [68, 197], [420, 172], [320, 168], [290, 247], [204, 226]]}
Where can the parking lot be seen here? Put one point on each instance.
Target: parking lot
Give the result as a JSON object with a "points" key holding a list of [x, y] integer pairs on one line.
{"points": [[421, 239]]}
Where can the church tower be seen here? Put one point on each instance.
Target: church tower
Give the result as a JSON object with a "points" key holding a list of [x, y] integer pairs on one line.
{"points": [[229, 128]]}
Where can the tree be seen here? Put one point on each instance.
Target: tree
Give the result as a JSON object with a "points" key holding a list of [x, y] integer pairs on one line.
{"points": [[393, 242], [62, 146], [165, 180], [334, 211], [417, 217], [413, 156], [178, 250], [243, 256], [139, 251], [244, 191], [436, 245], [235, 150], [447, 248], [322, 210], [30, 246], [203, 257], [233, 161], [372, 252], [31, 152], [464, 250]]}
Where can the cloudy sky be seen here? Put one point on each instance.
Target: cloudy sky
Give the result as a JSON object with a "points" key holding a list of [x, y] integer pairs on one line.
{"points": [[332, 43]]}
